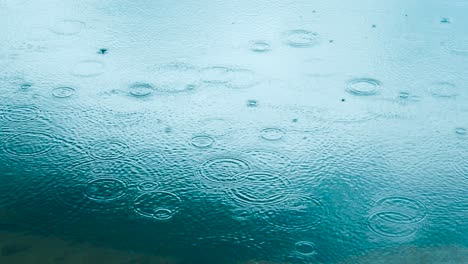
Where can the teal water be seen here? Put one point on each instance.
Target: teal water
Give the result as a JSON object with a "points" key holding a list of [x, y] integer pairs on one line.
{"points": [[235, 132]]}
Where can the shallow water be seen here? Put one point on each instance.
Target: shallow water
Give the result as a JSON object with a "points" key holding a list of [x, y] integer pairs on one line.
{"points": [[233, 132]]}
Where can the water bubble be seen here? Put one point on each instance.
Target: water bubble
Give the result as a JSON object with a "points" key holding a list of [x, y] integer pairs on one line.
{"points": [[404, 95], [141, 89], [107, 150], [102, 51], [88, 68], [260, 187], [445, 20], [305, 248], [159, 205], [224, 169], [20, 113], [148, 186], [252, 103], [63, 92], [300, 38], [272, 134], [26, 86], [202, 141], [103, 190], [68, 27], [260, 46], [460, 131], [443, 90], [29, 144], [363, 86]]}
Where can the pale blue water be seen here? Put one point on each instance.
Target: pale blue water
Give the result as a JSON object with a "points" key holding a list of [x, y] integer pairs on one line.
{"points": [[223, 132]]}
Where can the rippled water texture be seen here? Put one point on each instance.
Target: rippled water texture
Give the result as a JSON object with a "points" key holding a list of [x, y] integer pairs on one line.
{"points": [[233, 132]]}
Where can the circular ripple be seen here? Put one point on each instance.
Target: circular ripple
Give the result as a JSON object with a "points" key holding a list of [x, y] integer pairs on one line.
{"points": [[305, 248], [443, 90], [148, 186], [460, 131], [202, 141], [108, 150], [300, 38], [297, 213], [272, 134], [29, 144], [457, 46], [400, 210], [68, 27], [215, 75], [89, 68], [176, 77], [158, 205], [260, 187], [224, 169], [97, 185], [379, 224], [141, 89], [260, 46], [363, 86], [63, 92], [104, 190], [20, 113]]}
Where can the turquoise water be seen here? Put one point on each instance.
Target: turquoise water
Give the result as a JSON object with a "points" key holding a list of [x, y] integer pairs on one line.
{"points": [[233, 132]]}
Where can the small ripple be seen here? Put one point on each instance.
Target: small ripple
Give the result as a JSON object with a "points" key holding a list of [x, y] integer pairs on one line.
{"points": [[260, 187], [457, 46], [414, 211], [107, 150], [380, 226], [202, 141], [20, 113], [29, 144], [159, 205], [298, 213], [215, 126], [105, 190], [305, 248], [300, 38], [68, 27], [141, 89], [176, 78], [260, 46], [26, 86], [272, 134], [363, 86], [268, 160], [443, 90], [63, 92], [148, 186], [230, 77], [88, 68], [224, 169]]}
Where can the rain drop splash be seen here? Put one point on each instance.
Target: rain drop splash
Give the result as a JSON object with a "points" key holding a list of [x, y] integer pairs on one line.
{"points": [[63, 92], [363, 86], [260, 46], [202, 141], [443, 90], [159, 205], [141, 89], [272, 134], [300, 38], [223, 169], [460, 131], [305, 248], [103, 190]]}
